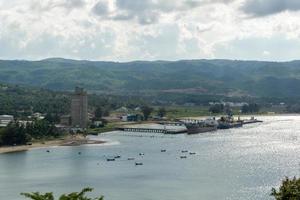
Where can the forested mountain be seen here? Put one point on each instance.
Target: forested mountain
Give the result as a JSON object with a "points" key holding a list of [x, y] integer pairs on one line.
{"points": [[201, 77]]}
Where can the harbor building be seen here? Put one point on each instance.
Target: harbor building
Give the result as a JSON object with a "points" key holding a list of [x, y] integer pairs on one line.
{"points": [[5, 120], [79, 109]]}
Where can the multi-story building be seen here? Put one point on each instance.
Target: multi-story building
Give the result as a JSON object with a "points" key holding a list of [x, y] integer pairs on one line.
{"points": [[5, 120], [79, 109]]}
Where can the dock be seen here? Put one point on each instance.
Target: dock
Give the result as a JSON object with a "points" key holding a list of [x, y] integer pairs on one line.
{"points": [[252, 121], [151, 130]]}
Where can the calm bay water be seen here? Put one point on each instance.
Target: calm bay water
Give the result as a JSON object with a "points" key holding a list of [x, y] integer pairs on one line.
{"points": [[243, 163]]}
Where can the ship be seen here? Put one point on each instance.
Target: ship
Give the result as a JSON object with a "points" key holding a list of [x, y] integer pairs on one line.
{"points": [[195, 128], [252, 120], [228, 122], [228, 125]]}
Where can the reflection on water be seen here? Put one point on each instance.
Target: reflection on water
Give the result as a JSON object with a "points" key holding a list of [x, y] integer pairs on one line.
{"points": [[242, 163]]}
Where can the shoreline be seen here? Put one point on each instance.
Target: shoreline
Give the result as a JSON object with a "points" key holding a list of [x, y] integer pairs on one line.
{"points": [[67, 141]]}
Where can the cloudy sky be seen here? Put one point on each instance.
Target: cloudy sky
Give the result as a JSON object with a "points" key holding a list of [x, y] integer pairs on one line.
{"points": [[124, 30]]}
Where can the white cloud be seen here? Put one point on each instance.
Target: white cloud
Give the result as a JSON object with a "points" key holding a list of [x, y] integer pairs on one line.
{"points": [[268, 7], [150, 29]]}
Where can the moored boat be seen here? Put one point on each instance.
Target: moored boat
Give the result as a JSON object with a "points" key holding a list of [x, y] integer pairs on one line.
{"points": [[252, 121], [228, 122], [198, 128], [228, 125]]}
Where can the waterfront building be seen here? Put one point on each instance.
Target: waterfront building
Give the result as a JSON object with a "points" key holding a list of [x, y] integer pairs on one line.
{"points": [[5, 120], [79, 109], [131, 118]]}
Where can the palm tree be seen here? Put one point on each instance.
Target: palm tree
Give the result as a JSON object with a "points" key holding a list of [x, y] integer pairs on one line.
{"points": [[71, 196]]}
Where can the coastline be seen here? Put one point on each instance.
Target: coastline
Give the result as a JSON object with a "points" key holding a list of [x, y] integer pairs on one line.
{"points": [[67, 141]]}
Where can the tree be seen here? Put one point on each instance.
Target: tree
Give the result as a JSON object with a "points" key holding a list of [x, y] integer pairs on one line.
{"points": [[251, 108], [146, 110], [72, 196], [289, 190], [161, 112], [52, 118], [228, 110], [217, 108], [98, 113], [14, 134]]}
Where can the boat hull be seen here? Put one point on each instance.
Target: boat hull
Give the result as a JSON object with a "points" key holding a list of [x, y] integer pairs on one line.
{"points": [[197, 130], [230, 125]]}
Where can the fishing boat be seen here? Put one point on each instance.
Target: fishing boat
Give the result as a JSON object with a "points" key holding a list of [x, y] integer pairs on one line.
{"points": [[138, 163], [183, 157]]}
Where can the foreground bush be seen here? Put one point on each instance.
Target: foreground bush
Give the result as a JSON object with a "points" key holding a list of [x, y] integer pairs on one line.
{"points": [[289, 190], [71, 196]]}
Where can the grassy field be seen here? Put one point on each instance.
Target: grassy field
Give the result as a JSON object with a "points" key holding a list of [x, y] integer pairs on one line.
{"points": [[174, 112]]}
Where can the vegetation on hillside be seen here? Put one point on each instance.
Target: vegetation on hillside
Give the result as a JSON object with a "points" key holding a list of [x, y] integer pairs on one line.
{"points": [[288, 190], [17, 133], [22, 101], [190, 77], [72, 196]]}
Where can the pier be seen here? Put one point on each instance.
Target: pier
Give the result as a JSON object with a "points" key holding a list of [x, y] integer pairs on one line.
{"points": [[151, 130], [172, 123]]}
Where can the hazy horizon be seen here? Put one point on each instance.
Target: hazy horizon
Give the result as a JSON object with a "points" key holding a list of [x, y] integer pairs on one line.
{"points": [[159, 60]]}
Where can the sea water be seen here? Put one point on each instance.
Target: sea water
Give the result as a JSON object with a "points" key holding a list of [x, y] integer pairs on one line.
{"points": [[242, 163]]}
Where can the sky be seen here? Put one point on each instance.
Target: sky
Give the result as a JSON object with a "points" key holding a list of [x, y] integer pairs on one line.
{"points": [[126, 30]]}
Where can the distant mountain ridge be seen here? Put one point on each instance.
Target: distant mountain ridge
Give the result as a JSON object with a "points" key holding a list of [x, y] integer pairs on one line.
{"points": [[208, 77]]}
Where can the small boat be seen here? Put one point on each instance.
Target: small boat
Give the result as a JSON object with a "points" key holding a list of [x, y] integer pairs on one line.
{"points": [[184, 151], [183, 157], [110, 159], [141, 154], [130, 159], [48, 151], [163, 150], [116, 157], [138, 163], [192, 153]]}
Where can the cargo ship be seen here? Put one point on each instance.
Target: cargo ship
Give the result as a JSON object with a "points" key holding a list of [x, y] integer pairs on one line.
{"points": [[195, 128], [228, 122]]}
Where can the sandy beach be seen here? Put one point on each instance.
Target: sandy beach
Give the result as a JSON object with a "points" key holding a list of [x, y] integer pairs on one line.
{"points": [[67, 141]]}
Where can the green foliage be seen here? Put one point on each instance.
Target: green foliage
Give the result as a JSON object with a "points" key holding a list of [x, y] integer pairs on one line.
{"points": [[289, 190], [295, 108], [217, 108], [161, 112], [38, 196], [14, 134], [19, 134], [251, 108], [98, 113], [41, 128], [146, 110], [72, 196], [52, 118], [240, 78], [23, 101]]}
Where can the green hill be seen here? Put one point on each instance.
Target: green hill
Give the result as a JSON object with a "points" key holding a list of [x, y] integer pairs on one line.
{"points": [[187, 77]]}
